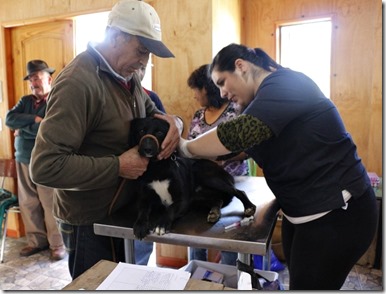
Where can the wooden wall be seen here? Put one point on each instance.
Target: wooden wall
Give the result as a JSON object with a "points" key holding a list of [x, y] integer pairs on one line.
{"points": [[195, 30], [190, 40], [356, 82]]}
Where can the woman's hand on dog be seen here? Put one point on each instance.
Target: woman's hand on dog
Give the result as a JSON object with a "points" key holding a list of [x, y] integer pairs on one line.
{"points": [[173, 136], [131, 164]]}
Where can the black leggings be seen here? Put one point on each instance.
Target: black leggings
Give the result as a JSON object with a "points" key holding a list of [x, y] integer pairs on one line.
{"points": [[321, 253]]}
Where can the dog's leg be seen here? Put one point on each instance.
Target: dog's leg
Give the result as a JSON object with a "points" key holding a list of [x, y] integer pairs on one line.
{"points": [[215, 212], [209, 175], [141, 226], [212, 200], [147, 206], [172, 212], [249, 207], [225, 191]]}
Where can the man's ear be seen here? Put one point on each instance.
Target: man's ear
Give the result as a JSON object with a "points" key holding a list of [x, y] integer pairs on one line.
{"points": [[113, 34]]}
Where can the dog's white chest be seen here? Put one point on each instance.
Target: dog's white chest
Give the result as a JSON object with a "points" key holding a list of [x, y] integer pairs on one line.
{"points": [[161, 188]]}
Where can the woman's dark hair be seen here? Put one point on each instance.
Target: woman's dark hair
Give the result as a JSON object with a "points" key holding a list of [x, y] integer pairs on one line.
{"points": [[199, 79], [225, 59]]}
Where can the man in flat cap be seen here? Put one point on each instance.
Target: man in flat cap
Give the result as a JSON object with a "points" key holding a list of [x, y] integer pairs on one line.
{"points": [[35, 201], [82, 147]]}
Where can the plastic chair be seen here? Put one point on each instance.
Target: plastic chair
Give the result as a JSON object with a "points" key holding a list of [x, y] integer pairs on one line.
{"points": [[8, 200]]}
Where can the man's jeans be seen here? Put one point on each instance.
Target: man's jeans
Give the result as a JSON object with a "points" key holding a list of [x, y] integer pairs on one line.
{"points": [[85, 248], [227, 257]]}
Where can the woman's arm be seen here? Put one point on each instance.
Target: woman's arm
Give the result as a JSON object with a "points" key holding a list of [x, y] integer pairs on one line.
{"points": [[207, 145], [236, 135]]}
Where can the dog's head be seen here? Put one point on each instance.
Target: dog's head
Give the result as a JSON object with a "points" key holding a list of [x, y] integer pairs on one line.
{"points": [[148, 133]]}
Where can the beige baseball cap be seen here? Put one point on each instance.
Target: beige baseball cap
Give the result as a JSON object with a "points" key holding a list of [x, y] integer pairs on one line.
{"points": [[140, 19]]}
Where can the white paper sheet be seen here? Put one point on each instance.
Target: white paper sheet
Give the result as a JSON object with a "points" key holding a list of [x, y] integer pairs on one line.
{"points": [[128, 276]]}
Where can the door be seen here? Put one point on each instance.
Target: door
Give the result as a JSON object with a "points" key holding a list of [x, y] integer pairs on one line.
{"points": [[52, 42]]}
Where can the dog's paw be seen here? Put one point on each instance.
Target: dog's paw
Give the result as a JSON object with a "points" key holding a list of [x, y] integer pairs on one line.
{"points": [[163, 226], [250, 211], [214, 215], [160, 231], [141, 231]]}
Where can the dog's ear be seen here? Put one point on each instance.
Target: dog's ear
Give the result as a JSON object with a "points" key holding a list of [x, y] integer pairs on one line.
{"points": [[134, 132], [161, 128]]}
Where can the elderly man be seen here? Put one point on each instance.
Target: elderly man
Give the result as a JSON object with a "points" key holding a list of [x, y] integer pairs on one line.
{"points": [[35, 201], [82, 148]]}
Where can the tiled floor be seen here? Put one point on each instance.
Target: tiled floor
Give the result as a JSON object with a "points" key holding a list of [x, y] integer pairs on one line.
{"points": [[38, 272]]}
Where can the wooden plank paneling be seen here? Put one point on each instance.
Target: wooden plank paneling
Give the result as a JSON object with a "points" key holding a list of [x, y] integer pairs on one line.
{"points": [[20, 12], [226, 19], [352, 77], [190, 39], [259, 19], [375, 143]]}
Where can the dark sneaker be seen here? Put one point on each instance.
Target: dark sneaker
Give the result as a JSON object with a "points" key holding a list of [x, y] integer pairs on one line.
{"points": [[27, 251]]}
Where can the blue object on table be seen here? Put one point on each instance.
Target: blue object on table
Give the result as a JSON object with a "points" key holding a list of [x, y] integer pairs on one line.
{"points": [[276, 265]]}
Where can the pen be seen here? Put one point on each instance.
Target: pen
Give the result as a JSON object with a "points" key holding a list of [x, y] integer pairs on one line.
{"points": [[245, 220]]}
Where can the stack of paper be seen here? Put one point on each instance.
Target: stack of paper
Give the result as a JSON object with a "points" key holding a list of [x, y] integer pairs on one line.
{"points": [[139, 277]]}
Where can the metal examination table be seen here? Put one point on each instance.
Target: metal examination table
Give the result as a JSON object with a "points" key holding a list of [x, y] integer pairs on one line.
{"points": [[194, 231]]}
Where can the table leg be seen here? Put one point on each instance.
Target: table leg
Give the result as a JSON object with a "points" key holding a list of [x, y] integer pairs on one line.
{"points": [[129, 251], [267, 259], [245, 258], [189, 252]]}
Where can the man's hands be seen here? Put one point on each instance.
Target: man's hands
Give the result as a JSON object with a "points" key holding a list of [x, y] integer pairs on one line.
{"points": [[131, 164], [38, 119], [173, 136]]}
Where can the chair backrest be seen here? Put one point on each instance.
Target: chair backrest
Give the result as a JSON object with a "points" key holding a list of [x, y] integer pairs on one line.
{"points": [[7, 170]]}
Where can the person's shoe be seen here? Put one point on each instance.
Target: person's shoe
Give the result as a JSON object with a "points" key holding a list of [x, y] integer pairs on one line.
{"points": [[58, 253], [27, 251]]}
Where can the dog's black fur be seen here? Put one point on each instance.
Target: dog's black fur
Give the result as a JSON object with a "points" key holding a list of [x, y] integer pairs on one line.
{"points": [[169, 187]]}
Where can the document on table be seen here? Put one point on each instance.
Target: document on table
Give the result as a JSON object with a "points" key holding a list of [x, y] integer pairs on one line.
{"points": [[128, 276]]}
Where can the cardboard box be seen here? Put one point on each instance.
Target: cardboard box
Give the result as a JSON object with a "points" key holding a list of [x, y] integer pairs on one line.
{"points": [[204, 274], [229, 272]]}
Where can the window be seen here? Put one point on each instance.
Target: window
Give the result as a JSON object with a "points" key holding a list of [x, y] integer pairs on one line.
{"points": [[306, 47], [89, 27]]}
